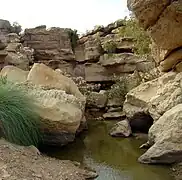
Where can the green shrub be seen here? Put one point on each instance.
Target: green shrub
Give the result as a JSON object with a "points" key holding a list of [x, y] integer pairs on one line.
{"points": [[73, 38], [141, 38], [19, 122], [16, 28], [110, 46]]}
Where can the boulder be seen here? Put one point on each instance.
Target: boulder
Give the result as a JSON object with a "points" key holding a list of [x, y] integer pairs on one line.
{"points": [[155, 97], [12, 38], [5, 27], [121, 129], [60, 104], [165, 136], [98, 100]]}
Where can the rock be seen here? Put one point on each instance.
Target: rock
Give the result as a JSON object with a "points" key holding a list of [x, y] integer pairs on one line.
{"points": [[121, 129], [5, 27], [51, 44], [44, 76], [95, 99], [171, 60], [166, 31], [94, 72], [60, 104], [165, 136], [13, 38], [147, 12], [14, 74], [154, 97], [112, 109], [92, 50], [60, 113], [118, 59], [114, 115]]}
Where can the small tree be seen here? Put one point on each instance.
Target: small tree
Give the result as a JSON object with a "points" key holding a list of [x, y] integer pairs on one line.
{"points": [[16, 28]]}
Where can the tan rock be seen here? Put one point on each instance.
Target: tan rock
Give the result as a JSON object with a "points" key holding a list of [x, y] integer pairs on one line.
{"points": [[178, 67], [165, 136], [121, 129], [14, 74], [166, 31], [147, 11], [42, 75], [114, 115], [171, 60], [155, 97]]}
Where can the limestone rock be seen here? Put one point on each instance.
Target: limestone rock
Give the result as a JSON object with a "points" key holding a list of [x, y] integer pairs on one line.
{"points": [[12, 38], [166, 31], [49, 44], [59, 102], [155, 97], [121, 129], [166, 137], [14, 74], [5, 26], [95, 99], [147, 11], [171, 60], [114, 115]]}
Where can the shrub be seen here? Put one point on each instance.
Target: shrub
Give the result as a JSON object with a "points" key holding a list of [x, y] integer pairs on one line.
{"points": [[141, 38], [16, 28], [110, 46], [19, 122], [73, 38]]}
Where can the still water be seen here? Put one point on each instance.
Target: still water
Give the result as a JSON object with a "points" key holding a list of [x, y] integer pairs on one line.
{"points": [[112, 158]]}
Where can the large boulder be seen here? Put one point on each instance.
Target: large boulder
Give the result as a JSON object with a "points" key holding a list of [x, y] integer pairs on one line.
{"points": [[60, 104], [155, 97], [165, 136]]}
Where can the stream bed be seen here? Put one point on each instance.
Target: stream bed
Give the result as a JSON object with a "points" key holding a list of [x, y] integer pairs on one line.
{"points": [[112, 158]]}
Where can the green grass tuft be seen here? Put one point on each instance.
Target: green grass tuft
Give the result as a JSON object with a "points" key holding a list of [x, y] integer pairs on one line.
{"points": [[19, 122]]}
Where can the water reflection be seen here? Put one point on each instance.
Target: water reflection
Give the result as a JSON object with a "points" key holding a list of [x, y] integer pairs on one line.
{"points": [[112, 158]]}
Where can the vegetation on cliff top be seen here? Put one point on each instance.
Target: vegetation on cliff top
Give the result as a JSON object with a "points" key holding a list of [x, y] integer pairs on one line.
{"points": [[141, 38], [19, 122]]}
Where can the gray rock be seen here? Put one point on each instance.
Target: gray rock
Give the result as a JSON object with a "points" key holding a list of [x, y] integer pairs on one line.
{"points": [[121, 129], [114, 115]]}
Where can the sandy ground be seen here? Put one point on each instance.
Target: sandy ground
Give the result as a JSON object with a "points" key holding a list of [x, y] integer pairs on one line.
{"points": [[26, 163]]}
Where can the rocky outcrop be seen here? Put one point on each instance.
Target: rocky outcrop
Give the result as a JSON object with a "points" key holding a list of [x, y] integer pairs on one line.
{"points": [[164, 22], [165, 137], [60, 104], [155, 97], [49, 44]]}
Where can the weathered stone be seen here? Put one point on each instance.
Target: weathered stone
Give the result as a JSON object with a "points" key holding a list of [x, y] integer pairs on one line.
{"points": [[5, 26], [147, 11], [59, 102], [49, 44], [95, 99], [12, 38], [80, 53], [97, 73], [42, 75], [166, 31], [79, 70], [114, 115], [121, 129], [112, 109], [171, 60], [165, 136], [14, 74], [92, 50], [155, 97]]}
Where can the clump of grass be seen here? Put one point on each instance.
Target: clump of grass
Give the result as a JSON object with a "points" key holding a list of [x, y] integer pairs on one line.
{"points": [[18, 121], [110, 46]]}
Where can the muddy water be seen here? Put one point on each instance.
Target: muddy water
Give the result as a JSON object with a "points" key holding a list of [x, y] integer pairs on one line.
{"points": [[112, 158]]}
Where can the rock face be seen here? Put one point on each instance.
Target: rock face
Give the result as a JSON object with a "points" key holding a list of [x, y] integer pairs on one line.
{"points": [[164, 22], [49, 44], [155, 97], [165, 136], [60, 104]]}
